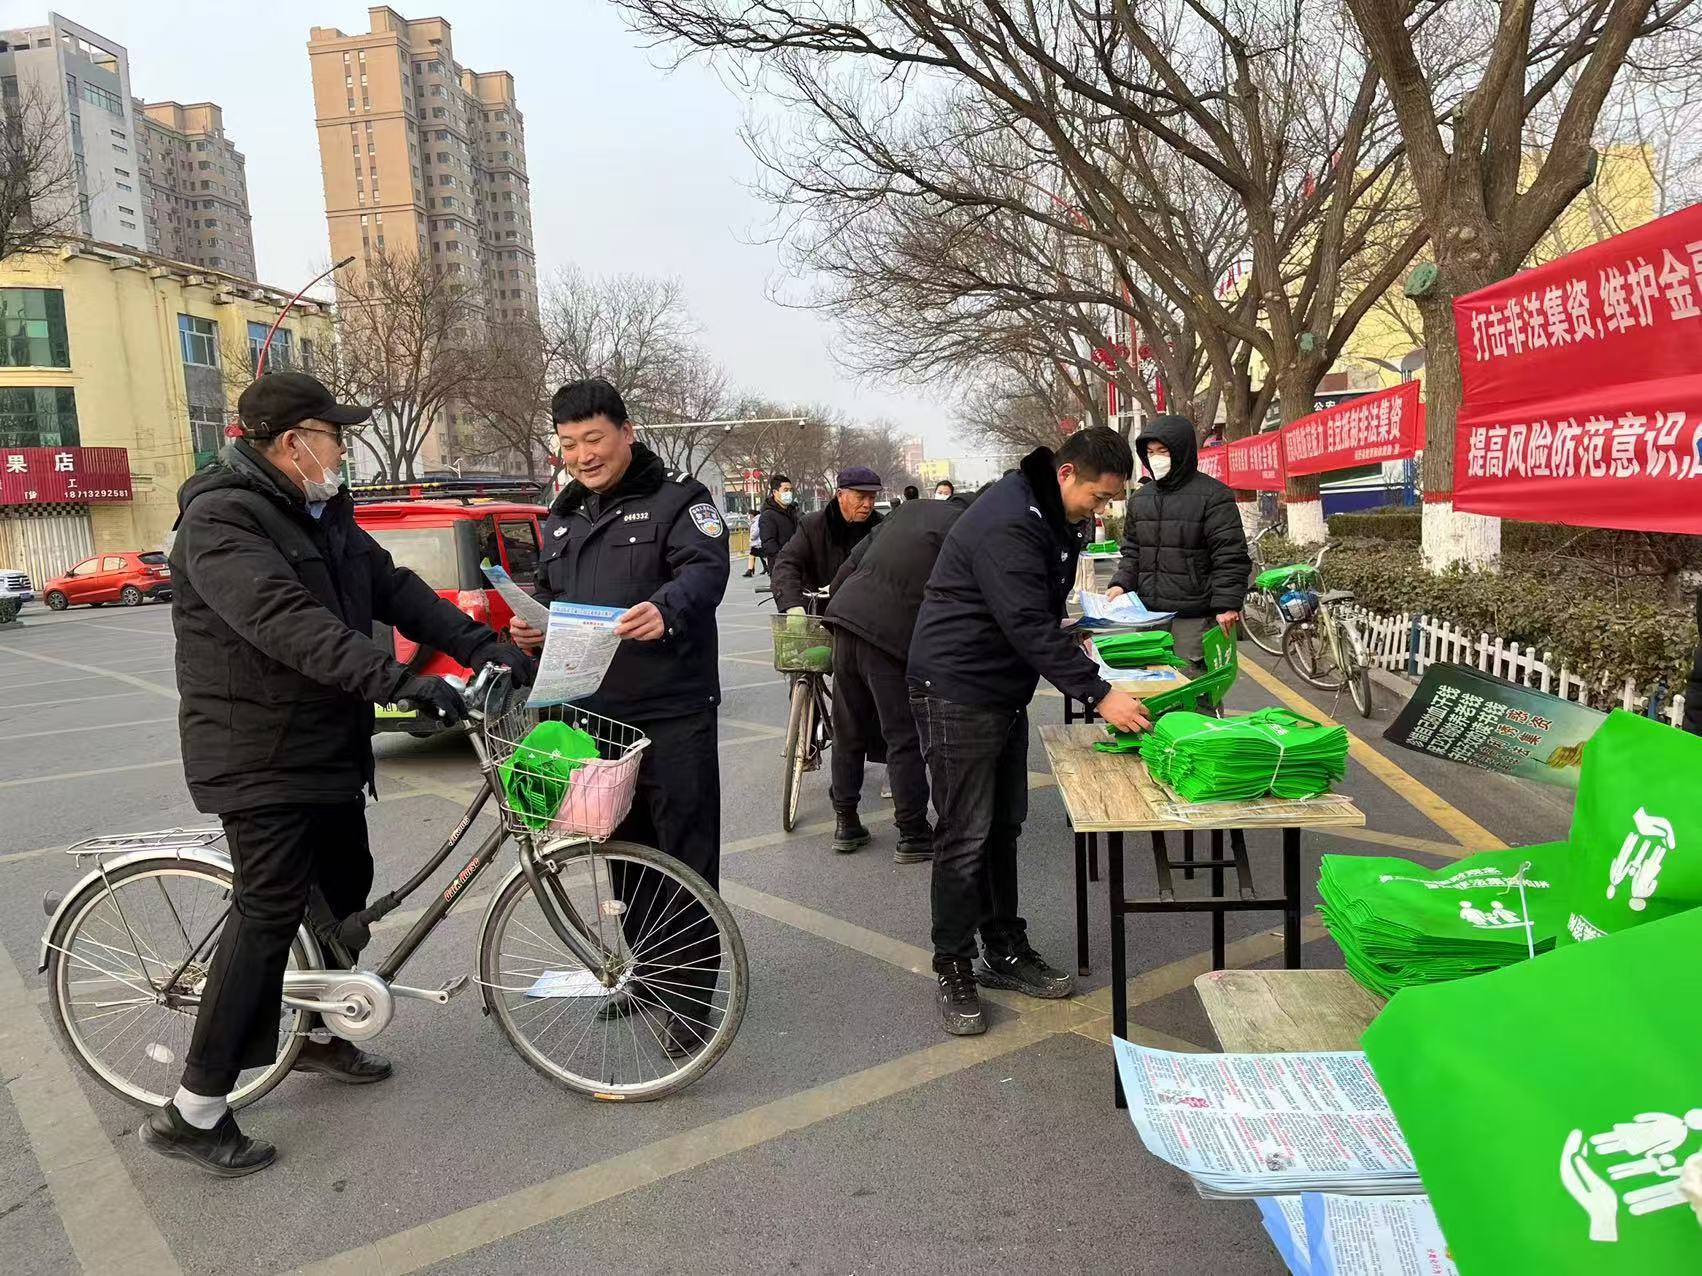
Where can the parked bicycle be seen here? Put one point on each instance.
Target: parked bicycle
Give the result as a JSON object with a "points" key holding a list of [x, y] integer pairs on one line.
{"points": [[1320, 644], [590, 953], [1261, 617], [803, 651]]}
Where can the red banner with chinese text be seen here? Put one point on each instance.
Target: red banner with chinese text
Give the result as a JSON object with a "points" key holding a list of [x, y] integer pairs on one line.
{"points": [[1211, 462], [1582, 383], [57, 475], [1255, 462], [1374, 427]]}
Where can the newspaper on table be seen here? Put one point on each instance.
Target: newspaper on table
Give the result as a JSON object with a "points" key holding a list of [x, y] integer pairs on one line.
{"points": [[522, 604], [1319, 1234], [1126, 611], [1248, 1125], [579, 645]]}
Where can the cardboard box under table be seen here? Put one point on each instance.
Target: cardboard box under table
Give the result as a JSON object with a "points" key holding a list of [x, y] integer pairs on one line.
{"points": [[1113, 794]]}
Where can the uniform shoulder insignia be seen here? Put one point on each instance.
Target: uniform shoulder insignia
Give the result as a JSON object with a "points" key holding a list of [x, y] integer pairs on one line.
{"points": [[707, 518]]}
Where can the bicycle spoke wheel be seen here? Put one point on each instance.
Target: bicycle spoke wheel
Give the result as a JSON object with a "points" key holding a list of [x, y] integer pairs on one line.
{"points": [[1358, 668], [799, 725], [108, 969], [1308, 655], [674, 958], [1262, 622]]}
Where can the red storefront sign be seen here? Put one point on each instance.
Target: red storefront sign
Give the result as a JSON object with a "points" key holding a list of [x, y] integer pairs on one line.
{"points": [[1211, 462], [1255, 462], [56, 475], [1374, 427], [1582, 386]]}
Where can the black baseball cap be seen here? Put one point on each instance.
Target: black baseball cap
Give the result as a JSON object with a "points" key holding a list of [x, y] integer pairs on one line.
{"points": [[279, 400]]}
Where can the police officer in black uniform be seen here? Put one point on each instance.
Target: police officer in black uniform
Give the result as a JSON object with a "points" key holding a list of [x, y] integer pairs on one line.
{"points": [[629, 532]]}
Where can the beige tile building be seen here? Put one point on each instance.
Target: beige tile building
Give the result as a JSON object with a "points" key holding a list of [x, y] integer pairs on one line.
{"points": [[195, 192], [419, 152]]}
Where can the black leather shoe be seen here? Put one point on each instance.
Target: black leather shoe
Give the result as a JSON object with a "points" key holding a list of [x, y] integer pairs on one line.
{"points": [[680, 1040], [223, 1150], [914, 850], [848, 832], [342, 1061]]}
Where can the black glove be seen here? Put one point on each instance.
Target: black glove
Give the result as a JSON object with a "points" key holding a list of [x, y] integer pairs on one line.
{"points": [[497, 652], [433, 697]]}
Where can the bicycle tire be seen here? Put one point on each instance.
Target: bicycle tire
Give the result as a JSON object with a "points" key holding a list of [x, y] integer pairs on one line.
{"points": [[304, 954], [1304, 653], [1359, 674], [1262, 622], [796, 756], [732, 960]]}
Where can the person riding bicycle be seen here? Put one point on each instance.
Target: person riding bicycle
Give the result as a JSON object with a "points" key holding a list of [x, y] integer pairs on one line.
{"points": [[778, 522], [826, 538], [629, 532], [275, 590], [1184, 549]]}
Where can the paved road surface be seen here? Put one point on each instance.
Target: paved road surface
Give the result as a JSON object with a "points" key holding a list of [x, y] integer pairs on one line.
{"points": [[842, 1133]]}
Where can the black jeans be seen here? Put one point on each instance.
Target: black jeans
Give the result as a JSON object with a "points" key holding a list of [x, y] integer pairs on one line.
{"points": [[978, 759], [872, 720], [677, 810], [280, 853]]}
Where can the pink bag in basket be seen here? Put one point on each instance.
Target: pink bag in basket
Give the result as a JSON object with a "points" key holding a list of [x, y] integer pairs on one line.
{"points": [[599, 795]]}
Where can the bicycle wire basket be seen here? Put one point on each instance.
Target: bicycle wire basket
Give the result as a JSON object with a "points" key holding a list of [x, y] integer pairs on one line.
{"points": [[566, 792], [801, 648]]}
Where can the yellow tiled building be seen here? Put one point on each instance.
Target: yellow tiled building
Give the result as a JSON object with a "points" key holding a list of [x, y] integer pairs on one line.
{"points": [[106, 347]]}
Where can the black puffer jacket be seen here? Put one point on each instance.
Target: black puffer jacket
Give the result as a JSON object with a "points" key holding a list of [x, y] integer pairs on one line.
{"points": [[273, 610], [775, 525], [1693, 693], [988, 628], [878, 591], [814, 556], [1184, 549]]}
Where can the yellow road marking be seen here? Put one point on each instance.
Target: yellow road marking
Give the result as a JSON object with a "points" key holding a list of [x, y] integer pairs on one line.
{"points": [[1429, 803]]}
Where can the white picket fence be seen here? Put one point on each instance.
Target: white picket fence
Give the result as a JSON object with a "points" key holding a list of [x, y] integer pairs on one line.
{"points": [[1408, 644]]}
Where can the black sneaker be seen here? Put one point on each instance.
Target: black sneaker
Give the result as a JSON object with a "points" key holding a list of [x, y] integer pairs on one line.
{"points": [[960, 1002], [342, 1060], [223, 1150], [914, 850], [1024, 970], [848, 832]]}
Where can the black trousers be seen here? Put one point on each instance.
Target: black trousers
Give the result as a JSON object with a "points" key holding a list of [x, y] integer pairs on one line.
{"points": [[280, 853], [978, 759], [872, 720], [677, 810]]}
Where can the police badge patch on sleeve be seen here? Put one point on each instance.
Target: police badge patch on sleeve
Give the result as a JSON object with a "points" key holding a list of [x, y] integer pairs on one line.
{"points": [[707, 518]]}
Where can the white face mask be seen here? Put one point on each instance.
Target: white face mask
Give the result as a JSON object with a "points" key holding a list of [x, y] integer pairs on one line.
{"points": [[1159, 465], [942, 496], [319, 490], [785, 498]]}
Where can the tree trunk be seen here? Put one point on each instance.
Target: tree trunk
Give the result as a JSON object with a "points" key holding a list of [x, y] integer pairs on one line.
{"points": [[1296, 395], [1449, 536]]}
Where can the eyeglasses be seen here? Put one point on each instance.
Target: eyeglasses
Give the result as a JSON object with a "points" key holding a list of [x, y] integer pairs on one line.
{"points": [[343, 434]]}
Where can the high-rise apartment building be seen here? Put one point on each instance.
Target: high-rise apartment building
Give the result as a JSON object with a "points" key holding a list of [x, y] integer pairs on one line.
{"points": [[423, 155], [160, 178], [196, 185], [85, 80]]}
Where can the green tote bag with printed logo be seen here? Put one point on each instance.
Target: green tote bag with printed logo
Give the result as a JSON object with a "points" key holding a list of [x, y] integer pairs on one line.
{"points": [[1636, 828]]}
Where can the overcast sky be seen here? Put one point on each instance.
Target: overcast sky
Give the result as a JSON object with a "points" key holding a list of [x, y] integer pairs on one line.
{"points": [[633, 167]]}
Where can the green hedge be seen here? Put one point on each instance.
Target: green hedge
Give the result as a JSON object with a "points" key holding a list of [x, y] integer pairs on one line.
{"points": [[1590, 622], [1644, 551]]}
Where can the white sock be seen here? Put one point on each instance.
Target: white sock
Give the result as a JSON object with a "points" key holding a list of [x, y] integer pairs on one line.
{"points": [[200, 1110]]}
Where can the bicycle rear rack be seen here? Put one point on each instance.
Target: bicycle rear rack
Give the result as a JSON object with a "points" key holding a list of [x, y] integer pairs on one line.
{"points": [[159, 840]]}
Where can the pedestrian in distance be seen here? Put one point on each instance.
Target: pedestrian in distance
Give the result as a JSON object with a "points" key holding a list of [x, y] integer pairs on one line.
{"points": [[1693, 692], [275, 591], [1184, 549], [777, 524], [988, 631], [872, 613], [630, 532], [753, 549], [944, 491]]}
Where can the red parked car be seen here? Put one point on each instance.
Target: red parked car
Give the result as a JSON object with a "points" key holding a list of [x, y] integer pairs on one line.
{"points": [[444, 542], [130, 577]]}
